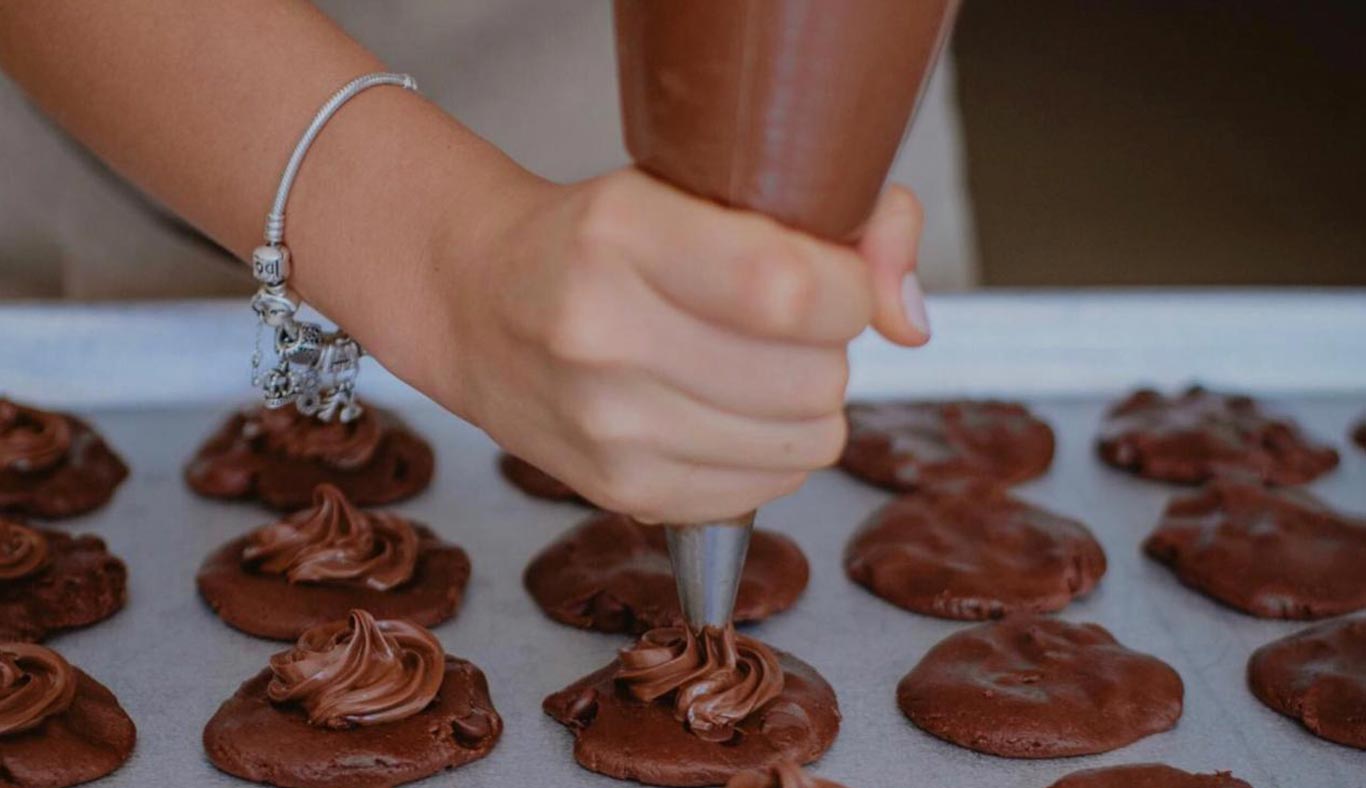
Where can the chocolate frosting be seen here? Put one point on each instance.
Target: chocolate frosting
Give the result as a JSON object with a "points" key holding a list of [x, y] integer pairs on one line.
{"points": [[715, 682], [617, 735], [53, 464], [337, 543], [784, 774], [35, 683], [359, 671], [31, 439], [23, 551], [791, 108], [341, 445]]}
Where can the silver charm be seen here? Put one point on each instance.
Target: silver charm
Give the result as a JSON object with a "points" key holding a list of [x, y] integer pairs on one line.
{"points": [[314, 370]]}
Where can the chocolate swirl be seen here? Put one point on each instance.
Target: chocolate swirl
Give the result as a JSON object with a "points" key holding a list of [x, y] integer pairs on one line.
{"points": [[23, 551], [337, 543], [359, 671], [715, 682], [783, 774], [35, 683], [346, 446], [31, 439]]}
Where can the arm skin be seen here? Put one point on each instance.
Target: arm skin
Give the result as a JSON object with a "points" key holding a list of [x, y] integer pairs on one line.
{"points": [[536, 311]]}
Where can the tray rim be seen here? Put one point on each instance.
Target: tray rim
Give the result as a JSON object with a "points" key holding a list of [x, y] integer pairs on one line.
{"points": [[1022, 342]]}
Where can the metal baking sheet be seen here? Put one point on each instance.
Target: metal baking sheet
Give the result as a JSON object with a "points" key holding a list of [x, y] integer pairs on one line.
{"points": [[156, 378], [171, 662]]}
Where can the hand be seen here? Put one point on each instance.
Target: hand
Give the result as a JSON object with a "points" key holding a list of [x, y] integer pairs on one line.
{"points": [[664, 356]]}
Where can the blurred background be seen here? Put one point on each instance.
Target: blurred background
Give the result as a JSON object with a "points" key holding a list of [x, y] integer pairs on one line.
{"points": [[1062, 143]]}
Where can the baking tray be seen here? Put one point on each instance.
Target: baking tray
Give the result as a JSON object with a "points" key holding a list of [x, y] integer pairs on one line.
{"points": [[171, 662]]}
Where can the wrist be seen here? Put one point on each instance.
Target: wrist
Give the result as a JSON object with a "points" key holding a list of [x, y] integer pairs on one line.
{"points": [[380, 220]]}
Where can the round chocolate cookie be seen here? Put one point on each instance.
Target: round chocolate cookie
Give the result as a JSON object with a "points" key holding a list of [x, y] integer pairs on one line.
{"points": [[971, 551], [785, 774], [1272, 552], [363, 710], [1359, 435], [535, 482], [1202, 434], [622, 736], [1317, 676], [52, 581], [1147, 775], [279, 456], [901, 444], [317, 564], [612, 574], [1035, 687], [53, 464], [80, 733]]}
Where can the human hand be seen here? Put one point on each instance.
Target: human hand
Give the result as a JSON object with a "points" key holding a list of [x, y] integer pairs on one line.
{"points": [[664, 356]]}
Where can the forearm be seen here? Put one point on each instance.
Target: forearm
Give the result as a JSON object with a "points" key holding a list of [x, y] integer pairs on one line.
{"points": [[200, 104]]}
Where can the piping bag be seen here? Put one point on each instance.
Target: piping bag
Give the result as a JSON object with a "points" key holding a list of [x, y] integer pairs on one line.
{"points": [[792, 108]]}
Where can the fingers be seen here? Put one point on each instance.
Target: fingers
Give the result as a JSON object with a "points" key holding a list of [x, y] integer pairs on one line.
{"points": [[759, 378], [733, 268], [614, 324], [655, 490], [629, 412], [890, 247]]}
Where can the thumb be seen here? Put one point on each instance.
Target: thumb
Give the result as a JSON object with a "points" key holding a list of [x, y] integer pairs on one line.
{"points": [[890, 246]]}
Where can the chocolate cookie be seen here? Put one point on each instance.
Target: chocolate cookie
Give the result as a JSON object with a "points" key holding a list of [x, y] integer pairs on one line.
{"points": [[358, 703], [1271, 552], [785, 774], [1317, 676], [612, 574], [1034, 687], [676, 710], [1147, 775], [1359, 435], [279, 456], [51, 581], [58, 726], [903, 444], [53, 464], [971, 551], [315, 565], [535, 482], [1202, 434]]}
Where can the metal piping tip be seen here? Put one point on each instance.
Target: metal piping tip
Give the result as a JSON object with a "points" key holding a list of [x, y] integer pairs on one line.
{"points": [[707, 561]]}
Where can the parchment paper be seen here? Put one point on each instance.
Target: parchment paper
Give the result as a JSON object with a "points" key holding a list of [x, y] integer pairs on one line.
{"points": [[171, 662]]}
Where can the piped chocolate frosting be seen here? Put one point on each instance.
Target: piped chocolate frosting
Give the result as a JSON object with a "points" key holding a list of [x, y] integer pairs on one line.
{"points": [[359, 672], [337, 543], [35, 683], [714, 681], [31, 439], [23, 551], [53, 464]]}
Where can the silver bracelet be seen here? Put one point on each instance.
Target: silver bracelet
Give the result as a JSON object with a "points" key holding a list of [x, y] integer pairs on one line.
{"points": [[313, 369]]}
